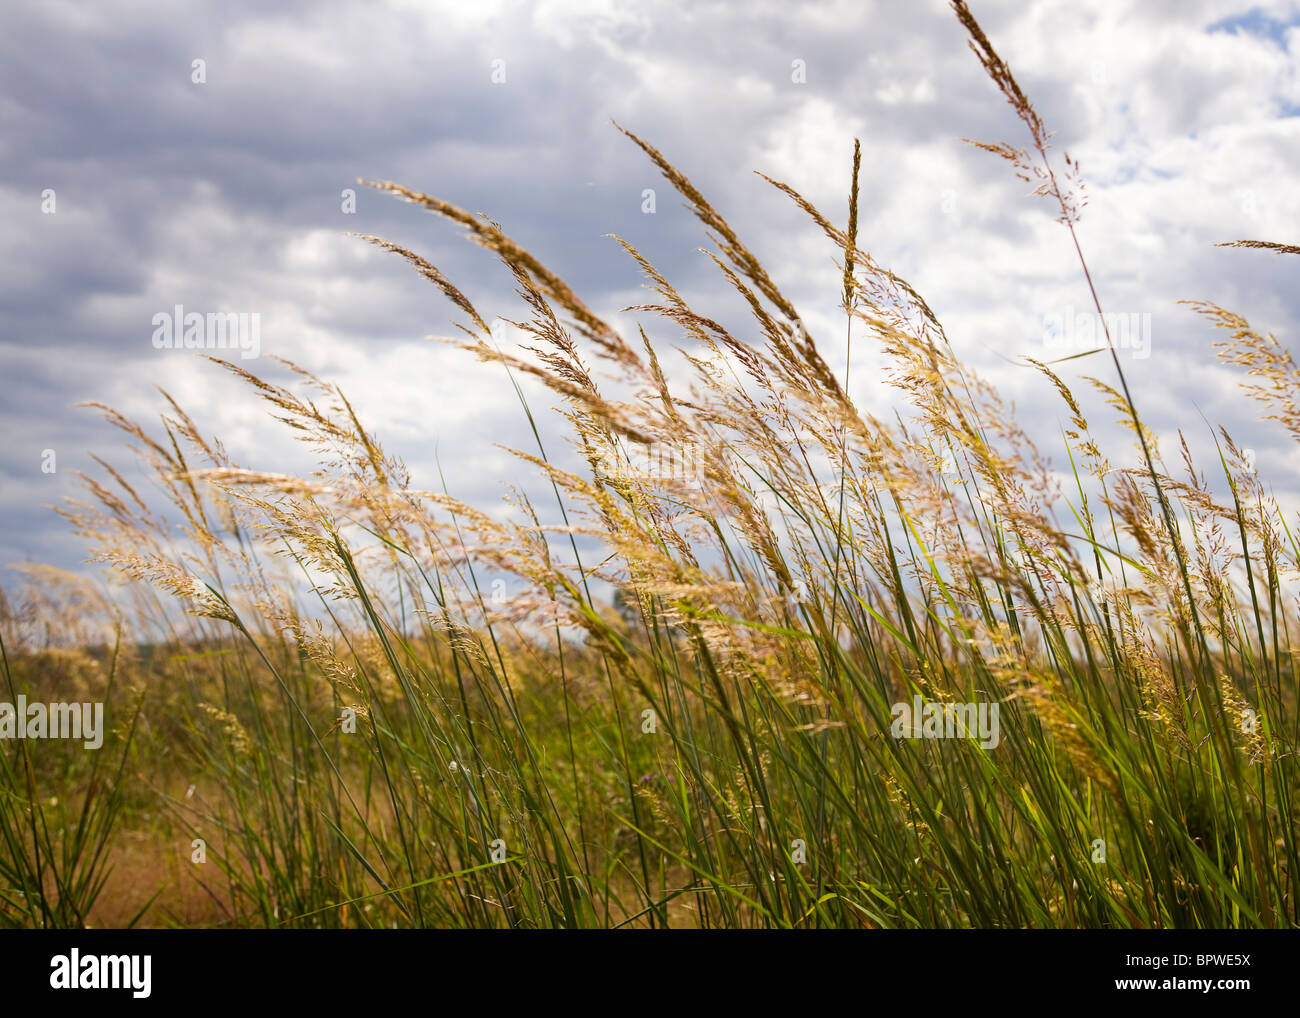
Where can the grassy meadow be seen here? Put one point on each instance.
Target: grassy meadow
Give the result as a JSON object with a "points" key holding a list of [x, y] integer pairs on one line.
{"points": [[665, 697]]}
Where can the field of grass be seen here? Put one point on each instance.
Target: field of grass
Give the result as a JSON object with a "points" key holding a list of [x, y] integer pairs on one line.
{"points": [[667, 696]]}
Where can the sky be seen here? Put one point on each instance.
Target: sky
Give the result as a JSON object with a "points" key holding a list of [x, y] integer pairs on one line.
{"points": [[201, 155]]}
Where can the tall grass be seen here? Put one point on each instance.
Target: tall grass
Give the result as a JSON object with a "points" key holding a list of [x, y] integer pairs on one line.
{"points": [[386, 740]]}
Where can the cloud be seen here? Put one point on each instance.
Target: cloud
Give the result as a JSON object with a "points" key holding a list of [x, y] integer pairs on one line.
{"points": [[229, 195]]}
